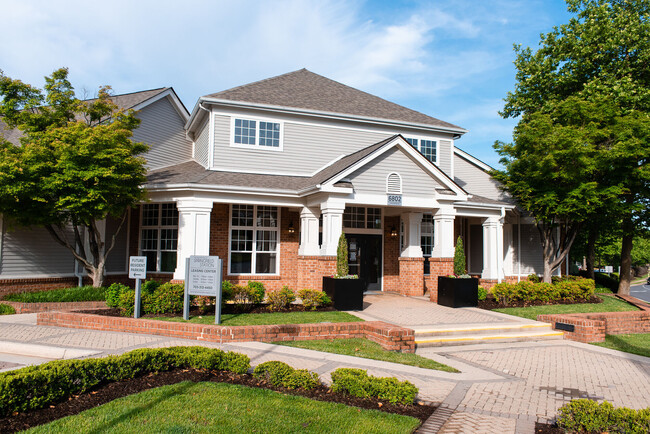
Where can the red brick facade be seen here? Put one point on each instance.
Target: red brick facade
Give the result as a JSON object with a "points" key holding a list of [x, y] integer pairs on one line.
{"points": [[438, 267], [389, 336], [391, 276], [411, 276]]}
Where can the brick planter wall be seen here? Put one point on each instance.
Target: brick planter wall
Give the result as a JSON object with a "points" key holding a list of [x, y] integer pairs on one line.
{"points": [[592, 327], [389, 336], [47, 307]]}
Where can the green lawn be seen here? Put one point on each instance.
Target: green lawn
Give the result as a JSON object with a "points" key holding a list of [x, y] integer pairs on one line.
{"points": [[84, 293], [219, 407], [609, 304], [269, 318], [367, 349], [600, 289], [635, 343]]}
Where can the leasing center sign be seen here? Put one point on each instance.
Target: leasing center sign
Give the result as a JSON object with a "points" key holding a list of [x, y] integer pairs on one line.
{"points": [[204, 276]]}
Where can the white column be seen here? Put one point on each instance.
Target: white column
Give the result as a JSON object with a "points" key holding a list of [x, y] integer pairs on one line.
{"points": [[509, 250], [308, 232], [412, 235], [332, 226], [193, 232], [493, 248], [443, 233]]}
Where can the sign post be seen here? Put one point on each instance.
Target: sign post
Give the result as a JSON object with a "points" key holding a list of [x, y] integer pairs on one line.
{"points": [[203, 277], [137, 271]]}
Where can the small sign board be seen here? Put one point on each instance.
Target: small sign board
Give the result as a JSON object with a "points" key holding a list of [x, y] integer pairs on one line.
{"points": [[138, 267], [204, 275], [395, 199]]}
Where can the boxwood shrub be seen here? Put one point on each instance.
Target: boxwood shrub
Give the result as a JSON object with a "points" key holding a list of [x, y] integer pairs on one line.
{"points": [[528, 291], [281, 374], [584, 415], [35, 387], [357, 382]]}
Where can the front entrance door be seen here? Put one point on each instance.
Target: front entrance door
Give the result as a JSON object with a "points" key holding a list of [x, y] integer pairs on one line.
{"points": [[364, 259]]}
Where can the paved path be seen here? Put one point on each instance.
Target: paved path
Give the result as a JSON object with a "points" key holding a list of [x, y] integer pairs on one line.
{"points": [[502, 388], [642, 292]]}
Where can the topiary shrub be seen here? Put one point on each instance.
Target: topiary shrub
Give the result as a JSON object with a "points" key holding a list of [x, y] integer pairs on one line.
{"points": [[357, 382], [280, 298], [311, 299], [342, 268], [257, 291], [459, 258], [584, 415]]}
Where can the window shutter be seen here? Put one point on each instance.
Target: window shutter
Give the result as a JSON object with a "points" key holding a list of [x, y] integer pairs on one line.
{"points": [[394, 184]]}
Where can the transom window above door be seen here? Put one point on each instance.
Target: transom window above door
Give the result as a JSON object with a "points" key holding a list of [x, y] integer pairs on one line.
{"points": [[358, 217], [263, 134]]}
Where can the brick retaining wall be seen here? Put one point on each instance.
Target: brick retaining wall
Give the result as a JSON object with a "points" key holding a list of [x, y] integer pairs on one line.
{"points": [[592, 327], [46, 307], [389, 336]]}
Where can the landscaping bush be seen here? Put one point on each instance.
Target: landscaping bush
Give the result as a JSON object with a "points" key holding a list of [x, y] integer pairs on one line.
{"points": [[281, 374], [257, 291], [533, 278], [280, 299], [61, 295], [167, 298], [241, 294], [38, 386], [5, 309], [357, 382], [226, 291], [156, 298], [113, 294], [311, 299], [528, 291], [584, 415], [482, 293], [126, 302]]}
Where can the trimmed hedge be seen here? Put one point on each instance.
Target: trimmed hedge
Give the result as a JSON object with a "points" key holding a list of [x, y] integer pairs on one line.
{"points": [[281, 374], [35, 387], [563, 289], [157, 297], [357, 382], [583, 415]]}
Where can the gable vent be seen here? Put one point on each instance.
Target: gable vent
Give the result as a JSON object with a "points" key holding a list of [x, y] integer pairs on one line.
{"points": [[394, 184]]}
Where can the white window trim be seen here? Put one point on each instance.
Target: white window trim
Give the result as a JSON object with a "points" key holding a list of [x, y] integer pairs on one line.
{"points": [[419, 148], [158, 227], [253, 263], [256, 146], [400, 183]]}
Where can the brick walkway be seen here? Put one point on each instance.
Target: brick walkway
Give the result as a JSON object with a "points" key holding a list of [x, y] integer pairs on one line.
{"points": [[502, 388]]}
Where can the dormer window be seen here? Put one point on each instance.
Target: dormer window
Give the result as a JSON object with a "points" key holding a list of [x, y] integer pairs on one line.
{"points": [[426, 147], [258, 133]]}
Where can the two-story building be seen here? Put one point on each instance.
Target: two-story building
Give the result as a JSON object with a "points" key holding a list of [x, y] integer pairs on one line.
{"points": [[268, 175]]}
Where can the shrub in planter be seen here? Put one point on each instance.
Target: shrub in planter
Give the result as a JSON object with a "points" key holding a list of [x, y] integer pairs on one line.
{"points": [[357, 382], [280, 298], [256, 293], [460, 268], [584, 415], [311, 299]]}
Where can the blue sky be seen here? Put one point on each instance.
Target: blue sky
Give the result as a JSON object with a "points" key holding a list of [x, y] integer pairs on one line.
{"points": [[451, 60]]}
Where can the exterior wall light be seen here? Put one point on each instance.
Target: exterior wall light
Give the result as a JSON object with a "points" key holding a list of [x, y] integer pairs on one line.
{"points": [[393, 231], [291, 228]]}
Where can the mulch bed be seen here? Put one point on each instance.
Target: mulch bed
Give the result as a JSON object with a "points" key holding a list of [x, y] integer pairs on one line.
{"points": [[491, 303], [108, 392], [225, 309], [544, 428]]}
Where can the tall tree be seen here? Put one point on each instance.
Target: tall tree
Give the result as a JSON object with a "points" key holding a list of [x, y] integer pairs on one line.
{"points": [[600, 58], [76, 165]]}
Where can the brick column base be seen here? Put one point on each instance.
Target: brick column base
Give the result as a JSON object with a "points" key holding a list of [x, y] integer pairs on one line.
{"points": [[411, 276], [438, 267]]}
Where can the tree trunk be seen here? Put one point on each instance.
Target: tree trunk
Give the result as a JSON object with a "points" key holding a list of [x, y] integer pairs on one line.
{"points": [[591, 251], [626, 257], [548, 271], [97, 275]]}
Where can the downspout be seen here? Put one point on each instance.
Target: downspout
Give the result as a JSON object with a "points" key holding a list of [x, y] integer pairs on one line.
{"points": [[79, 276], [518, 247]]}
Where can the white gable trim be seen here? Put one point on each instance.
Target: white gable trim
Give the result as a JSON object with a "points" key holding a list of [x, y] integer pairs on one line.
{"points": [[472, 160], [173, 98], [425, 164]]}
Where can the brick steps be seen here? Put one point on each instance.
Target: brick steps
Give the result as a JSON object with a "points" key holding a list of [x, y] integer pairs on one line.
{"points": [[476, 334]]}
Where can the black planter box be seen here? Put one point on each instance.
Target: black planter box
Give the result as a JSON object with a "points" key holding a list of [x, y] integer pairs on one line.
{"points": [[454, 292], [346, 294]]}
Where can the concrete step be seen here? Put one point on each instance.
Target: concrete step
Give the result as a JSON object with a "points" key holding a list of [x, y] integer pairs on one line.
{"points": [[476, 334]]}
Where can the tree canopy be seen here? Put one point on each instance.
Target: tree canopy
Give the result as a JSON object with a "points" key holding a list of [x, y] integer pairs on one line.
{"points": [[76, 165], [580, 147]]}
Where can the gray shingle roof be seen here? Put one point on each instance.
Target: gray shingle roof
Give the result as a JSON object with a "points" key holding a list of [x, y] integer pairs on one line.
{"points": [[306, 90], [124, 101]]}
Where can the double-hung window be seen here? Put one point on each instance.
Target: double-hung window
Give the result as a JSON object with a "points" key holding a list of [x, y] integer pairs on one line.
{"points": [[426, 147], [254, 239], [426, 240], [159, 236], [258, 133]]}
